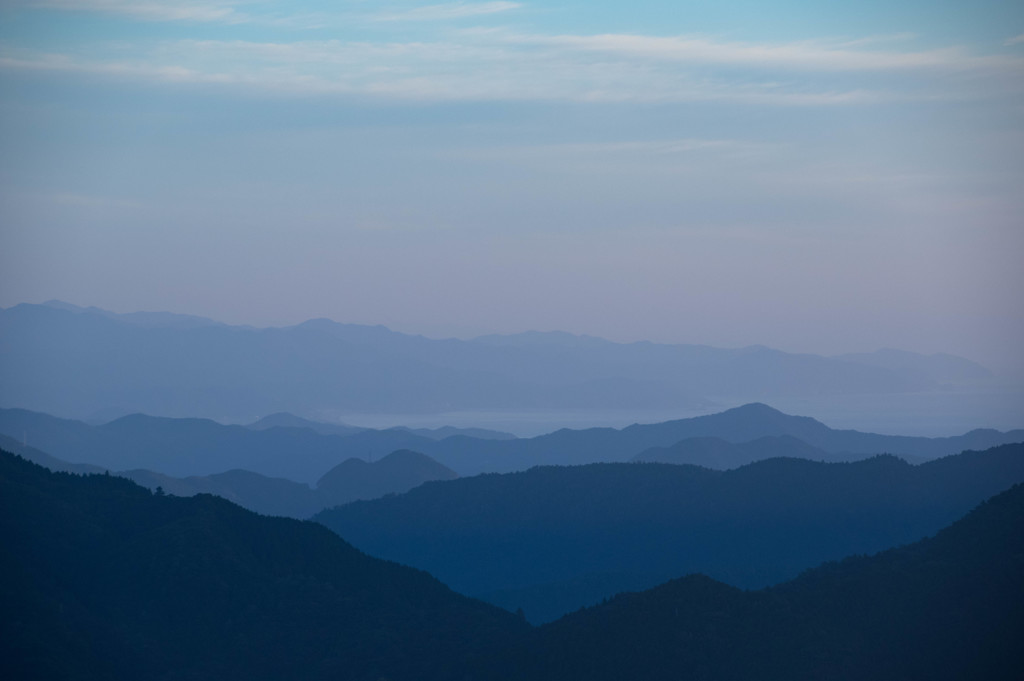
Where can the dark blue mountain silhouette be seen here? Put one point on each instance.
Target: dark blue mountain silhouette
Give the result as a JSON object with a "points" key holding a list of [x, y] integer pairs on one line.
{"points": [[103, 579], [598, 529]]}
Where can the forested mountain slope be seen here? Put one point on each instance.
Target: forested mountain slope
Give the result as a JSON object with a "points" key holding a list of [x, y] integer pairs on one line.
{"points": [[553, 539], [104, 580], [945, 609]]}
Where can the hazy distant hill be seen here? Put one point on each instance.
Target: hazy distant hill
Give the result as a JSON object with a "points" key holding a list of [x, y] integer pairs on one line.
{"points": [[86, 362], [940, 368], [103, 580], [397, 472], [43, 459], [184, 447], [719, 454], [739, 425], [946, 609], [283, 419], [598, 529], [446, 432], [350, 480], [286, 420], [252, 491]]}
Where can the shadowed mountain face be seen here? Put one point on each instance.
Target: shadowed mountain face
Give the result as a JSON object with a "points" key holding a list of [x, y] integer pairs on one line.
{"points": [[596, 530], [102, 579], [84, 362], [946, 608]]}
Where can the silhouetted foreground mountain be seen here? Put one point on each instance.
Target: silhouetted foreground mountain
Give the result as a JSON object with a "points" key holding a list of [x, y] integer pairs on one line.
{"points": [[946, 608], [183, 447], [82, 362], [103, 580], [592, 531]]}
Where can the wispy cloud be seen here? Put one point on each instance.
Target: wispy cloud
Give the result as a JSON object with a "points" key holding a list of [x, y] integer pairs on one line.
{"points": [[229, 12], [148, 72], [497, 64], [449, 10], [620, 153], [421, 71], [805, 55], [1015, 40], [151, 10]]}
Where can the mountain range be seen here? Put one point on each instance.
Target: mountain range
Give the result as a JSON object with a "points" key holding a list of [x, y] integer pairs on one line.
{"points": [[88, 363], [947, 608], [103, 579], [719, 454], [200, 447], [350, 480], [553, 539]]}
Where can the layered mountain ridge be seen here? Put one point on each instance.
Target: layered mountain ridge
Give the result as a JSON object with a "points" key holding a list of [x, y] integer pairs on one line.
{"points": [[86, 362], [105, 580]]}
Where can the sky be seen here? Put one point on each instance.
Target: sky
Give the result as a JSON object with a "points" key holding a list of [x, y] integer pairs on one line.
{"points": [[815, 177]]}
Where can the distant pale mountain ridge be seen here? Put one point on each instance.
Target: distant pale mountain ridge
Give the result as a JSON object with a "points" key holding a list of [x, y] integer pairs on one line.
{"points": [[85, 362], [283, 419], [940, 367], [188, 447]]}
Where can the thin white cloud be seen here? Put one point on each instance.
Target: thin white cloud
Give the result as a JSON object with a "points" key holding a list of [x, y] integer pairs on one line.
{"points": [[449, 10], [424, 72], [151, 10], [1015, 40], [495, 65], [810, 56], [668, 150]]}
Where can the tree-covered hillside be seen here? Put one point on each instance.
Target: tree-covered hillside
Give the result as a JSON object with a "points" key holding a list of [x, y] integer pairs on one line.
{"points": [[553, 539], [948, 608], [104, 580]]}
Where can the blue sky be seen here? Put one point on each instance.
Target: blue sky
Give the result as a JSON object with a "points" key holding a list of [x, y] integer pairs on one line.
{"points": [[822, 177]]}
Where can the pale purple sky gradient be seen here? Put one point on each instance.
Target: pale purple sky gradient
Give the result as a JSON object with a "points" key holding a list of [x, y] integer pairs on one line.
{"points": [[822, 181]]}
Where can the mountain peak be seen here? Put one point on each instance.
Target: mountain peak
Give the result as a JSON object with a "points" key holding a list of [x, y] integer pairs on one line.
{"points": [[755, 408]]}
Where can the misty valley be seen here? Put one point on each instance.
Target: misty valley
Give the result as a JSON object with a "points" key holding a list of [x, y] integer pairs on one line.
{"points": [[742, 543]]}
